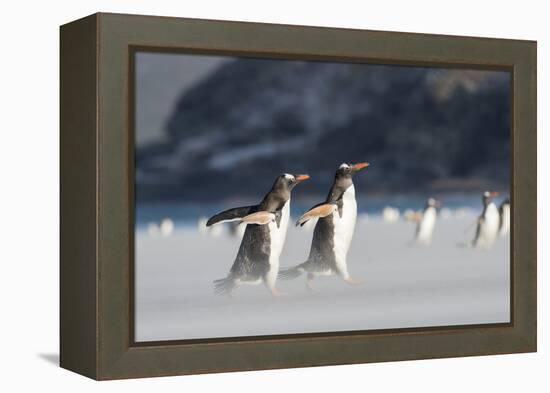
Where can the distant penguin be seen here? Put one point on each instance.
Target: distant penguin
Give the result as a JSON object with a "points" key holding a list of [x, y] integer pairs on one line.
{"points": [[266, 224], [333, 232], [426, 224], [153, 229], [390, 214], [201, 225], [504, 212], [166, 227], [487, 223]]}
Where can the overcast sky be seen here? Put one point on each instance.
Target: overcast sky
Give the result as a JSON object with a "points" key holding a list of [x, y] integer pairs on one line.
{"points": [[160, 79]]}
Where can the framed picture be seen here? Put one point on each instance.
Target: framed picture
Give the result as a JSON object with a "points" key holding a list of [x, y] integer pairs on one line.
{"points": [[242, 196]]}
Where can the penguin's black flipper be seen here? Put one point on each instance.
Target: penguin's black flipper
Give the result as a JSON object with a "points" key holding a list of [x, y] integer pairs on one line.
{"points": [[224, 286], [478, 230], [231, 214]]}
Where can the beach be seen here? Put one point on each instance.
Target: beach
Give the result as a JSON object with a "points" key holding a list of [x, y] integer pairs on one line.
{"points": [[403, 285]]}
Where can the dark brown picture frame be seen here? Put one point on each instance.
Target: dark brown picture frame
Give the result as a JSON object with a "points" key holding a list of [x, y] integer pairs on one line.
{"points": [[97, 227]]}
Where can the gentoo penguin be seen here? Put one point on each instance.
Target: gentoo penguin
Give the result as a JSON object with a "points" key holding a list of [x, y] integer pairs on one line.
{"points": [[258, 257], [487, 223], [504, 211], [334, 229], [426, 224]]}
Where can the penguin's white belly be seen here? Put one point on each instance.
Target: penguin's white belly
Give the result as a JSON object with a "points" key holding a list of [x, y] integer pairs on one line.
{"points": [[343, 229], [426, 226], [278, 235], [505, 220], [488, 229]]}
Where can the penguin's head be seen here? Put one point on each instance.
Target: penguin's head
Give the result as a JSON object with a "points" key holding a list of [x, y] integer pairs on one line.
{"points": [[348, 170], [287, 181], [432, 202], [488, 196], [344, 173]]}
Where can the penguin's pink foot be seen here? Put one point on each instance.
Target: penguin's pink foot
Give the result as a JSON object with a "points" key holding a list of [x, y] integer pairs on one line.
{"points": [[353, 281], [275, 292]]}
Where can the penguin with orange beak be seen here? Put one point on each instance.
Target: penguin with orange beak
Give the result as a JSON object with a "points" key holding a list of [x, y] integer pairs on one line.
{"points": [[333, 232], [257, 260], [426, 224]]}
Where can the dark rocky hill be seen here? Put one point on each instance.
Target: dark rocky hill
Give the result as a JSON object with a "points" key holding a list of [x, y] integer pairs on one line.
{"points": [[422, 129]]}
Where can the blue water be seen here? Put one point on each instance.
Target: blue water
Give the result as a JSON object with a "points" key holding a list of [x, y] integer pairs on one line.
{"points": [[187, 214]]}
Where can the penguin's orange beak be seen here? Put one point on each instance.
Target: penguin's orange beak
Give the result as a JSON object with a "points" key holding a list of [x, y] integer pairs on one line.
{"points": [[301, 178], [494, 193], [359, 166]]}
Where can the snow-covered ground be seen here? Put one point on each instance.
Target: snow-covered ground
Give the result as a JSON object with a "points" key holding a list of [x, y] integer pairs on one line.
{"points": [[404, 286]]}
